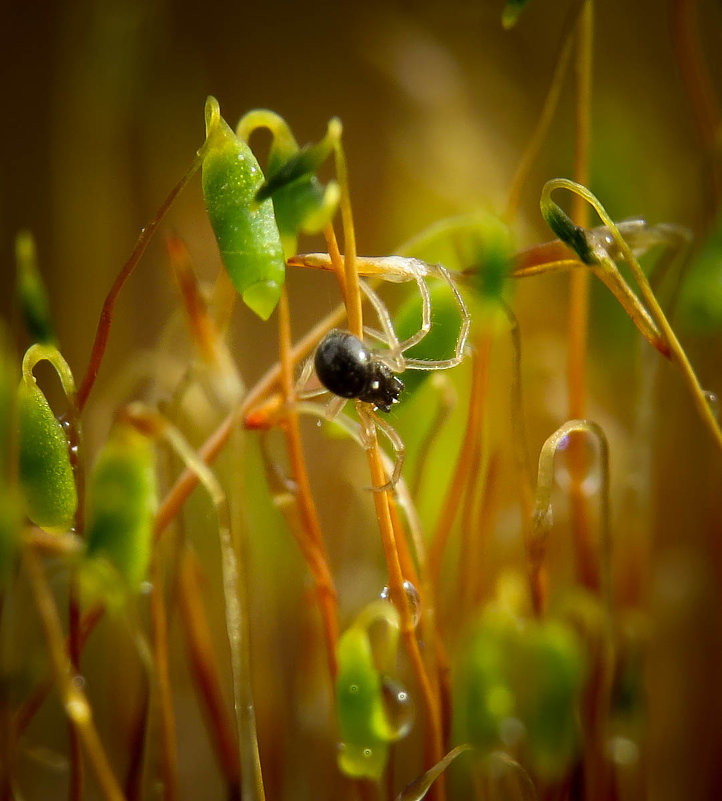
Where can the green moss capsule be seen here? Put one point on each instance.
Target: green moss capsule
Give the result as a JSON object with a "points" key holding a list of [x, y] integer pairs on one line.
{"points": [[122, 500], [300, 202], [548, 692], [372, 709], [45, 473], [32, 295], [363, 727], [528, 671], [246, 231]]}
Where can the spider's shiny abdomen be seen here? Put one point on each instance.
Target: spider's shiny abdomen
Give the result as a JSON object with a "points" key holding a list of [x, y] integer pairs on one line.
{"points": [[346, 367]]}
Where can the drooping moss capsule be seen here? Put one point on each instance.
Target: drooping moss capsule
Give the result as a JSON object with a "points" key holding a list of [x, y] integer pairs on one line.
{"points": [[300, 202], [31, 292], [368, 720], [122, 500], [246, 230], [364, 732], [45, 473], [527, 672]]}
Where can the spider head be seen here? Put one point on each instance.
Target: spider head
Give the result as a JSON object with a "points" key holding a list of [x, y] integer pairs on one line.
{"points": [[383, 387]]}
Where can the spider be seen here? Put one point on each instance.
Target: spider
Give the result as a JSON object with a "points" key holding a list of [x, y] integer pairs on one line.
{"points": [[349, 369]]}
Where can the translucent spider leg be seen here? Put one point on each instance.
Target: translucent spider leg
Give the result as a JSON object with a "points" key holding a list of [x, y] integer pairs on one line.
{"points": [[369, 422], [396, 348], [445, 364], [304, 394], [393, 356]]}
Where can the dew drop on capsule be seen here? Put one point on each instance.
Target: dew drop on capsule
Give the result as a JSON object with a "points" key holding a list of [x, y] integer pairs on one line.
{"points": [[713, 403], [591, 479], [412, 596], [398, 706]]}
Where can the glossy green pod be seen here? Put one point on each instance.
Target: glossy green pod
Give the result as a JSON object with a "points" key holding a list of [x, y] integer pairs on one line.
{"points": [[363, 727], [369, 715], [122, 501], [246, 231], [45, 473]]}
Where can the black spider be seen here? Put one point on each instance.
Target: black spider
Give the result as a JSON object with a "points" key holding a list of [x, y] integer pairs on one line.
{"points": [[346, 367]]}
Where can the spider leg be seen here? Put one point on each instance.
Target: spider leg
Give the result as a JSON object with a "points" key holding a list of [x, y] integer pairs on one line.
{"points": [[444, 364], [370, 420], [334, 406], [425, 314], [393, 355], [374, 333], [301, 393]]}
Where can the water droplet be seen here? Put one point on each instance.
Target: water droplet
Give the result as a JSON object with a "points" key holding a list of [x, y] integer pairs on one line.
{"points": [[398, 706], [412, 596], [368, 753], [353, 689], [713, 403], [591, 478]]}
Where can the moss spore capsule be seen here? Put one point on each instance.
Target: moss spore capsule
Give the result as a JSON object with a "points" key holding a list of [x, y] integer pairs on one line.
{"points": [[45, 473], [122, 501], [246, 231], [32, 294]]}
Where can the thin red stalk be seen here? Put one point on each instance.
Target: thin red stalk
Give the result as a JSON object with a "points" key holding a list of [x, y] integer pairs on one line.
{"points": [[159, 626], [133, 784], [204, 669], [698, 83], [106, 315]]}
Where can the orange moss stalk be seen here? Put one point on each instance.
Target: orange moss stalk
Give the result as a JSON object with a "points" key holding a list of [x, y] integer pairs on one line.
{"points": [[313, 547]]}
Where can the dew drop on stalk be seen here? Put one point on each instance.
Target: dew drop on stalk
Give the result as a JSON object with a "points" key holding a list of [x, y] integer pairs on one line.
{"points": [[398, 706], [713, 403], [412, 596]]}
